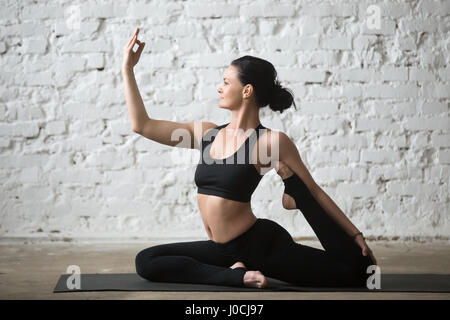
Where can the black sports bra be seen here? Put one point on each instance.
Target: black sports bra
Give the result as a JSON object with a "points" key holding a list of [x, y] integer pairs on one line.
{"points": [[234, 177]]}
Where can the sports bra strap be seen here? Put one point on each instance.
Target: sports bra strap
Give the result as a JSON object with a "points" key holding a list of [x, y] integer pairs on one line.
{"points": [[249, 143], [211, 133]]}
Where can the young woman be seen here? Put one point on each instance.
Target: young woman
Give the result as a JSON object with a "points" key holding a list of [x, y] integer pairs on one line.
{"points": [[244, 249]]}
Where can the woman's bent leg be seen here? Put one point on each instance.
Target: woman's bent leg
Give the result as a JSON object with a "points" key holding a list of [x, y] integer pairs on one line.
{"points": [[308, 266], [333, 238], [188, 262], [277, 256]]}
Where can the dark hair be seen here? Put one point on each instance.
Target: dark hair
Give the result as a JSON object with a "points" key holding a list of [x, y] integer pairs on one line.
{"points": [[263, 76]]}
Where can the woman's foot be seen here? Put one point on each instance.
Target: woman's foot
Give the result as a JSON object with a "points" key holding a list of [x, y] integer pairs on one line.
{"points": [[255, 279], [284, 172], [238, 265]]}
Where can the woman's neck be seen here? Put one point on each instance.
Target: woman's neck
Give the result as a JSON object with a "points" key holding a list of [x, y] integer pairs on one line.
{"points": [[244, 120]]}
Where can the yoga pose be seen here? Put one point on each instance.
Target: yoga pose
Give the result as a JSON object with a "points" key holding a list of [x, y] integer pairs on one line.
{"points": [[244, 249]]}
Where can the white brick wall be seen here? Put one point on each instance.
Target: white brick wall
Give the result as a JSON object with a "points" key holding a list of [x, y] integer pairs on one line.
{"points": [[372, 125]]}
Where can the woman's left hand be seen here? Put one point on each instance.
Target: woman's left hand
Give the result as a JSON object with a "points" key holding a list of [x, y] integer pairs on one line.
{"points": [[365, 248]]}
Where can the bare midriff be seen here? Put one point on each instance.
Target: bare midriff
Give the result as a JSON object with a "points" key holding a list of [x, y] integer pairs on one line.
{"points": [[224, 219]]}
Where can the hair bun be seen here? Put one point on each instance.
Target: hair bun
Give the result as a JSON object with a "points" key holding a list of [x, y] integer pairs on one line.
{"points": [[281, 98], [276, 91], [277, 86]]}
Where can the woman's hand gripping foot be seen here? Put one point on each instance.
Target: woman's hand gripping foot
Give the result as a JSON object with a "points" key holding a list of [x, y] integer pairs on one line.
{"points": [[284, 172]]}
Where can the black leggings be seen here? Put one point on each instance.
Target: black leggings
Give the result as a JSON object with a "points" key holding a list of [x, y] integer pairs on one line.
{"points": [[266, 247]]}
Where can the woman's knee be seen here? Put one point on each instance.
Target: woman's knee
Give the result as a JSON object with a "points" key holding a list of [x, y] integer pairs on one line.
{"points": [[275, 230], [142, 262]]}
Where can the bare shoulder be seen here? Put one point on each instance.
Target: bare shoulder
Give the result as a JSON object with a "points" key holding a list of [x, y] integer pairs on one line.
{"points": [[281, 148], [266, 155], [273, 139], [204, 126], [208, 125], [282, 145], [276, 145], [287, 152], [200, 128]]}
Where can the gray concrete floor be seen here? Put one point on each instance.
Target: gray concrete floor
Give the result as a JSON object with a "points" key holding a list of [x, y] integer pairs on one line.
{"points": [[30, 271]]}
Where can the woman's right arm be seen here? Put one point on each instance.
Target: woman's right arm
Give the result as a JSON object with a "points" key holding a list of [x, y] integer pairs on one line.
{"points": [[133, 98], [161, 131], [135, 105]]}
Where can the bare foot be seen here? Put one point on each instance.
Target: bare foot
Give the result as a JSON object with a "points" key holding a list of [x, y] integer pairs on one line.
{"points": [[238, 265], [255, 279], [284, 172]]}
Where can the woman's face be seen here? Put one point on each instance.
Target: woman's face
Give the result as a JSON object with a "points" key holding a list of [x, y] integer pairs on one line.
{"points": [[231, 90]]}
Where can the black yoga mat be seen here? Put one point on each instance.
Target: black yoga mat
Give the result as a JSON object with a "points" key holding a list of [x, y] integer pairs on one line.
{"points": [[133, 282]]}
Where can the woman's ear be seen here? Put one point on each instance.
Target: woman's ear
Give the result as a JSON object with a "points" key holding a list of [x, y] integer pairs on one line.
{"points": [[247, 91]]}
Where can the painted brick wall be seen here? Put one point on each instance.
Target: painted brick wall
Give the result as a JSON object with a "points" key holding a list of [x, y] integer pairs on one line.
{"points": [[372, 124]]}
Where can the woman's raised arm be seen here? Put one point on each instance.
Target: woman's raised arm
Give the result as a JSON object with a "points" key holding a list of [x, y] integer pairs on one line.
{"points": [[135, 105], [179, 134]]}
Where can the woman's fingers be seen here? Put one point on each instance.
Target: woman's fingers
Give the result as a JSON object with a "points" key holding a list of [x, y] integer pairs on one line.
{"points": [[132, 57], [140, 46], [132, 37], [371, 255], [139, 50], [131, 42], [129, 45]]}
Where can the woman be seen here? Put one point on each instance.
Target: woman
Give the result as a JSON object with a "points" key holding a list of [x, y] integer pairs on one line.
{"points": [[244, 249]]}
